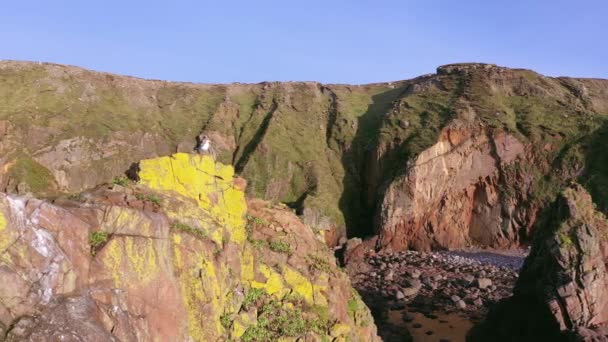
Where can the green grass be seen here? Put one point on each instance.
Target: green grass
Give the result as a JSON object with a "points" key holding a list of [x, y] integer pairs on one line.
{"points": [[256, 220], [122, 181], [258, 244], [97, 240], [276, 321], [280, 247], [154, 198], [565, 239], [78, 197], [318, 263], [252, 296], [226, 320], [38, 178], [188, 229]]}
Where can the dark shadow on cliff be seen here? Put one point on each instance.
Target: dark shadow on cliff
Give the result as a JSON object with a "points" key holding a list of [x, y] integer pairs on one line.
{"points": [[367, 175], [595, 175], [379, 308], [354, 202], [252, 145], [517, 319]]}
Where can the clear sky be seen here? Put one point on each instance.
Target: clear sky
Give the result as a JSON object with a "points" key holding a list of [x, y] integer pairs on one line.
{"points": [[348, 41]]}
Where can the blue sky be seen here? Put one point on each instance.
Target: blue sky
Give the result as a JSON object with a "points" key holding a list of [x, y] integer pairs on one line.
{"points": [[327, 41]]}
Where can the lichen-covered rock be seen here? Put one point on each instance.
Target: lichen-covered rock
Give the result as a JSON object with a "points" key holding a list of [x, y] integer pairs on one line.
{"points": [[562, 291], [179, 256]]}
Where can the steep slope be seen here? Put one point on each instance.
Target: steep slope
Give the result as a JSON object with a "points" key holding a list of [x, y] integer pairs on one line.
{"points": [[561, 294], [467, 156], [179, 256]]}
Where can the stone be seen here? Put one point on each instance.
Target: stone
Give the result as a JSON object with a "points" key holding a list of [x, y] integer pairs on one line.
{"points": [[562, 290], [408, 317], [483, 283], [414, 274], [415, 283], [389, 275], [410, 291], [461, 304]]}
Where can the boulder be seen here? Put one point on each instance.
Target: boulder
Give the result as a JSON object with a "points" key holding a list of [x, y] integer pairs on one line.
{"points": [[562, 291], [483, 283]]}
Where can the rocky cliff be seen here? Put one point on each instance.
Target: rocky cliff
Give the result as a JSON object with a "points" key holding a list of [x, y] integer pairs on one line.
{"points": [[467, 156], [177, 256], [561, 294]]}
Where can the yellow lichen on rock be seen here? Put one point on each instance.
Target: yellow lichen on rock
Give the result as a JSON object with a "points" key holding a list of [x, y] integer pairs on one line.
{"points": [[273, 285], [299, 283], [5, 239], [130, 257], [209, 183]]}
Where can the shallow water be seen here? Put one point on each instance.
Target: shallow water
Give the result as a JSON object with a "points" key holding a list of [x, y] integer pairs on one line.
{"points": [[450, 327]]}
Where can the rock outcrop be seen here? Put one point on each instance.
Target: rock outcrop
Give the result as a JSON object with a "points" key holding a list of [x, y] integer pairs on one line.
{"points": [[562, 291], [469, 155], [451, 196], [177, 256]]}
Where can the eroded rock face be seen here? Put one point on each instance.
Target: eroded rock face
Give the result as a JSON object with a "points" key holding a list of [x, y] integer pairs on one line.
{"points": [[562, 291], [175, 257], [341, 155], [450, 196]]}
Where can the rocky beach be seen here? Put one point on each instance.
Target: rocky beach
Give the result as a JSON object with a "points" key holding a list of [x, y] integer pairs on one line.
{"points": [[435, 296]]}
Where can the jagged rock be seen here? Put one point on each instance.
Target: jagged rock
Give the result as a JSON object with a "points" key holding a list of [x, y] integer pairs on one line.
{"points": [[195, 262], [562, 290]]}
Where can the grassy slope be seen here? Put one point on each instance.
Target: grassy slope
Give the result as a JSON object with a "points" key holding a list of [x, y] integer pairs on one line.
{"points": [[309, 144]]}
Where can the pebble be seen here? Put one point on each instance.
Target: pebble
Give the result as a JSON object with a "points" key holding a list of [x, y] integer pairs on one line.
{"points": [[483, 283], [438, 281]]}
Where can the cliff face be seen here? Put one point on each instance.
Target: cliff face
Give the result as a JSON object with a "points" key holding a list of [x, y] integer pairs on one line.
{"points": [[561, 293], [469, 155], [178, 256]]}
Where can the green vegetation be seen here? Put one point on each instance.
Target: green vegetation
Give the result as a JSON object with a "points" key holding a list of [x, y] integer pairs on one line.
{"points": [[187, 229], [122, 181], [277, 320], [252, 296], [97, 240], [260, 221], [258, 244], [38, 178], [565, 239], [354, 304], [154, 198], [318, 263], [78, 197], [280, 247], [226, 320]]}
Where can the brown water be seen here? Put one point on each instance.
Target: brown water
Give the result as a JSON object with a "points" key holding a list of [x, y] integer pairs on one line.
{"points": [[450, 327]]}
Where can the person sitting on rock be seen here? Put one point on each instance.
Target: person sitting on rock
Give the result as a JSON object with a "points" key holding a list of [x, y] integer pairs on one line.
{"points": [[203, 145]]}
